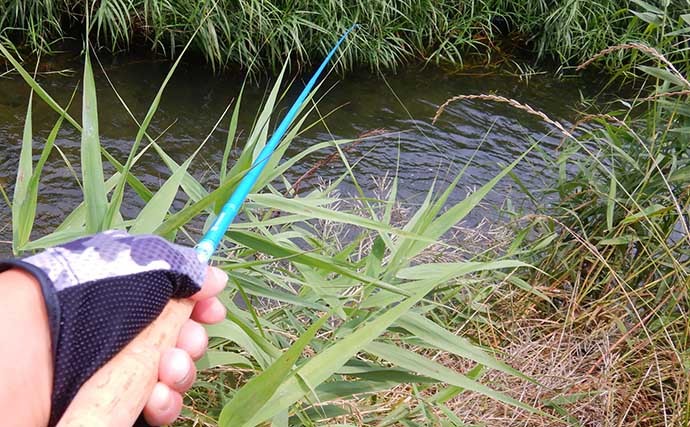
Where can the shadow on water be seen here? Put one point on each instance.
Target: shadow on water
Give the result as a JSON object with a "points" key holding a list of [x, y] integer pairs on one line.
{"points": [[421, 154]]}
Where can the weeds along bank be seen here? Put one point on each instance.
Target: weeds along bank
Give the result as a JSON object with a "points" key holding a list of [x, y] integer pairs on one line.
{"points": [[262, 34], [574, 314]]}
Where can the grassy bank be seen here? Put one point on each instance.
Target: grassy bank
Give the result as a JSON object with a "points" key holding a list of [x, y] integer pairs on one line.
{"points": [[263, 34], [313, 316], [355, 311]]}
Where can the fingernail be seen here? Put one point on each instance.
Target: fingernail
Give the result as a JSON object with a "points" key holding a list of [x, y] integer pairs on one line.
{"points": [[219, 274], [163, 397], [180, 368], [184, 380]]}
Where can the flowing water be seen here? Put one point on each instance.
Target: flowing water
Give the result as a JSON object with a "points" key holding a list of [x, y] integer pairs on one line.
{"points": [[482, 135]]}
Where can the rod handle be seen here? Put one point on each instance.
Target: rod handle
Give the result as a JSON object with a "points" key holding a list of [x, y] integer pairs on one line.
{"points": [[116, 394]]}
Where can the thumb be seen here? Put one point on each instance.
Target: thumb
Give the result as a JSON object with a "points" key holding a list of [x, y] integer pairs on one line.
{"points": [[116, 394]]}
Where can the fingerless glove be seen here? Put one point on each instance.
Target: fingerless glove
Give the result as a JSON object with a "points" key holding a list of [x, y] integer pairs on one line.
{"points": [[100, 292]]}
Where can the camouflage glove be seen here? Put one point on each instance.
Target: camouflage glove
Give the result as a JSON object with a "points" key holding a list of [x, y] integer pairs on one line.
{"points": [[100, 292]]}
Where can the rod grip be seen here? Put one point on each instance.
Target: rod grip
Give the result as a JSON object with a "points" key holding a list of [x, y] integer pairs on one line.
{"points": [[116, 394]]}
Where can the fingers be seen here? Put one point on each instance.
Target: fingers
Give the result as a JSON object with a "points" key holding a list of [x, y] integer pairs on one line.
{"points": [[164, 405], [192, 339], [208, 311], [214, 283], [176, 373], [176, 369]]}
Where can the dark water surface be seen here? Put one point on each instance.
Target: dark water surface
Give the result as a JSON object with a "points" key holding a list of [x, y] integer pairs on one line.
{"points": [[403, 104]]}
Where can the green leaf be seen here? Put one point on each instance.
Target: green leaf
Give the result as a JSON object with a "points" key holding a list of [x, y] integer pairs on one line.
{"points": [[433, 334], [320, 367], [27, 210], [52, 239], [249, 399], [214, 358], [418, 363], [321, 262], [611, 202], [648, 7], [232, 131], [620, 240], [307, 208], [654, 209], [680, 175], [648, 17], [157, 208], [233, 332], [663, 75], [20, 227], [91, 162], [454, 269], [435, 229], [255, 286], [189, 184], [141, 132], [37, 88]]}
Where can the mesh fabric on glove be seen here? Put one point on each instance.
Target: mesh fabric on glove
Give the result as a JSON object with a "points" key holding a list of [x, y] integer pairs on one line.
{"points": [[100, 292]]}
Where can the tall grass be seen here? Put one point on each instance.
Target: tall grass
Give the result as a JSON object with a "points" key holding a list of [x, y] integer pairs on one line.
{"points": [[351, 312], [262, 34], [614, 257], [622, 253], [321, 319]]}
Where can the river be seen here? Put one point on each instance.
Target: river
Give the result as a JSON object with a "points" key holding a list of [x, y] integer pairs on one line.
{"points": [[419, 152]]}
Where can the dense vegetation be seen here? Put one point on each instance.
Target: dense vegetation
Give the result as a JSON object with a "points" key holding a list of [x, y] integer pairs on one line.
{"points": [[355, 311], [262, 34]]}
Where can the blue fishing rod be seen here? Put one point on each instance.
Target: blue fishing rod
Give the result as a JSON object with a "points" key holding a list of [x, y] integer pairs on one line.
{"points": [[209, 243], [130, 380]]}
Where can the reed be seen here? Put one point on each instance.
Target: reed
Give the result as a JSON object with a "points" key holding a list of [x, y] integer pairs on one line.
{"points": [[260, 35], [322, 318], [614, 265], [354, 311]]}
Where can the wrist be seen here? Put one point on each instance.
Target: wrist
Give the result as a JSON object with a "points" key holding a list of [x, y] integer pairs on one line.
{"points": [[26, 361]]}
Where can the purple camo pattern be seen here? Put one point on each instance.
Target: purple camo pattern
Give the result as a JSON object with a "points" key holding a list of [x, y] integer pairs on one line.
{"points": [[115, 253]]}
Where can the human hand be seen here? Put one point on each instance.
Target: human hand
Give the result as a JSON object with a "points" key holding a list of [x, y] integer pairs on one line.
{"points": [[101, 291], [177, 372], [101, 401]]}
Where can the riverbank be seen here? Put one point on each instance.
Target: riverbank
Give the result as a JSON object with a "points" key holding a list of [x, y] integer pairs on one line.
{"points": [[261, 35], [399, 106], [574, 313]]}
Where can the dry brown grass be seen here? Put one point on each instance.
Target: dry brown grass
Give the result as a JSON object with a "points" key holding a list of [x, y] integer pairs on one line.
{"points": [[559, 359]]}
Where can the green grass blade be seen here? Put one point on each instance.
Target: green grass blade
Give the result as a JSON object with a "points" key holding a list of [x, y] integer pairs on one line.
{"points": [[91, 162], [320, 262], [119, 189], [28, 207], [232, 331], [320, 367], [214, 358], [217, 196], [611, 202], [76, 220], [229, 142], [304, 207], [253, 395], [450, 270], [52, 239], [420, 364], [157, 208], [190, 185], [37, 88], [441, 338], [20, 228]]}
